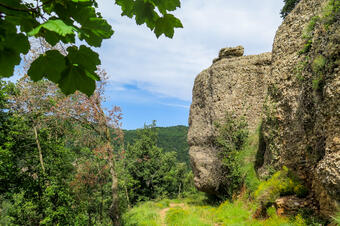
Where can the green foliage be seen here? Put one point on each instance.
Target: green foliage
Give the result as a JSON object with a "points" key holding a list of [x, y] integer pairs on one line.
{"points": [[173, 138], [192, 212], [288, 7], [144, 214], [147, 12], [61, 22], [179, 216], [336, 218], [318, 64], [232, 136], [308, 31], [314, 60], [247, 162], [282, 182], [330, 13], [150, 173]]}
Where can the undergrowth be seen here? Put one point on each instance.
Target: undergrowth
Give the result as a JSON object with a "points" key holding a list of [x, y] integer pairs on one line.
{"points": [[197, 211], [281, 183], [238, 213]]}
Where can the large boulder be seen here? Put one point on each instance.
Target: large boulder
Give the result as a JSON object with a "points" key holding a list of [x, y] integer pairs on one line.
{"points": [[301, 128], [234, 84]]}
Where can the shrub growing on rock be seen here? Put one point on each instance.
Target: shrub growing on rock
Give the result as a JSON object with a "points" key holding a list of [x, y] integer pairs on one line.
{"points": [[233, 134], [281, 183]]}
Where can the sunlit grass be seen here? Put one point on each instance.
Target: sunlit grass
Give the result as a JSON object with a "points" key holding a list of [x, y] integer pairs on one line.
{"points": [[237, 213], [145, 214], [195, 210]]}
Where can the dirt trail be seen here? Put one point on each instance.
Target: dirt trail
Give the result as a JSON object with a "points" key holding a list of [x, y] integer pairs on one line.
{"points": [[163, 212]]}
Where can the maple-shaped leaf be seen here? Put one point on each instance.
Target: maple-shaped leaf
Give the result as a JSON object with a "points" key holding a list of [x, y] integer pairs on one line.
{"points": [[166, 25]]}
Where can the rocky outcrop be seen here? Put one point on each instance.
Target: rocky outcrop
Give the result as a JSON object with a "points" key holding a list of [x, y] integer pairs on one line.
{"points": [[296, 90], [234, 84], [301, 128]]}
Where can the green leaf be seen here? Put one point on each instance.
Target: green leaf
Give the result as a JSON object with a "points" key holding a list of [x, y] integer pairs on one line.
{"points": [[94, 31], [49, 65], [57, 26], [8, 59], [18, 42], [166, 24], [84, 57], [80, 71], [11, 46], [167, 5], [74, 78], [145, 13], [127, 7], [77, 1], [93, 28]]}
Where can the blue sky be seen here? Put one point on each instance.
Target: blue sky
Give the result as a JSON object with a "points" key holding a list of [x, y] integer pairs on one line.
{"points": [[152, 79]]}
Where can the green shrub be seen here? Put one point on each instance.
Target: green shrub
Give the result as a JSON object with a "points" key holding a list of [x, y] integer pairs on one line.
{"points": [[281, 183], [247, 157], [232, 136]]}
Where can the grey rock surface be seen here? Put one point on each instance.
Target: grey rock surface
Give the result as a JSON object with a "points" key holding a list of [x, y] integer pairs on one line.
{"points": [[302, 124], [232, 84]]}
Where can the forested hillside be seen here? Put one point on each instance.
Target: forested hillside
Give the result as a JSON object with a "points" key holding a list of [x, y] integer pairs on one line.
{"points": [[173, 138]]}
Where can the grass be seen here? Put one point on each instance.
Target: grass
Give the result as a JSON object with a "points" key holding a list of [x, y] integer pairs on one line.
{"points": [[237, 213], [145, 214], [196, 210]]}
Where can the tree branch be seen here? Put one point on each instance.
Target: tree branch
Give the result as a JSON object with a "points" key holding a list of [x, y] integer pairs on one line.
{"points": [[16, 9]]}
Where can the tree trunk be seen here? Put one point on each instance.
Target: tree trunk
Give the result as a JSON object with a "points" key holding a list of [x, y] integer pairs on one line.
{"points": [[39, 149], [127, 196], [114, 208]]}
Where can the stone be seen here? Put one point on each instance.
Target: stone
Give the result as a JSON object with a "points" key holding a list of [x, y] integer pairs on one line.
{"points": [[230, 52], [235, 85], [302, 131], [300, 123]]}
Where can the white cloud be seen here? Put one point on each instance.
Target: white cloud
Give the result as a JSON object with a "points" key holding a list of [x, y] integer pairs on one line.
{"points": [[167, 67]]}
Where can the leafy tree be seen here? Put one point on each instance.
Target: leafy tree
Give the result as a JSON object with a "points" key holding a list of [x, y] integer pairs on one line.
{"points": [[65, 21], [36, 196], [148, 172], [288, 7], [173, 138]]}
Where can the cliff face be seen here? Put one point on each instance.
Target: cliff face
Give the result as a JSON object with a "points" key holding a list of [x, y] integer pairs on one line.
{"points": [[296, 91], [302, 124], [234, 84]]}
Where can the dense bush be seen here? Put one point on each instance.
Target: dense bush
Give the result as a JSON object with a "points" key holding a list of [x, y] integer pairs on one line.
{"points": [[232, 135]]}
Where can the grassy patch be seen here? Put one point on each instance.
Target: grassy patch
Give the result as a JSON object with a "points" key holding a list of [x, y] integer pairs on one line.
{"points": [[145, 214], [187, 212], [186, 217]]}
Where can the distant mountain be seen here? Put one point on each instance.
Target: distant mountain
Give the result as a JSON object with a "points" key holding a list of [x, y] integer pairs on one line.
{"points": [[173, 138]]}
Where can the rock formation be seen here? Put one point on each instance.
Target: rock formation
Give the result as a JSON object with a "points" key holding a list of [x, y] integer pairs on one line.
{"points": [[302, 124], [235, 84], [296, 90]]}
